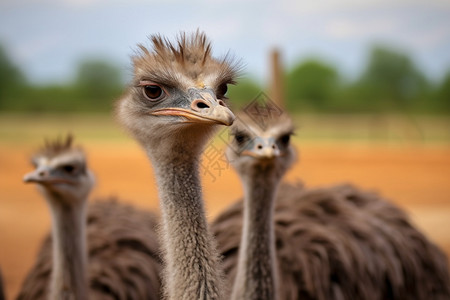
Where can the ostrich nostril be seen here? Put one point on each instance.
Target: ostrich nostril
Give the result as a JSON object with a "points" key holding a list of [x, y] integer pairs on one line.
{"points": [[273, 147], [41, 174], [221, 103], [259, 146], [202, 105], [199, 105]]}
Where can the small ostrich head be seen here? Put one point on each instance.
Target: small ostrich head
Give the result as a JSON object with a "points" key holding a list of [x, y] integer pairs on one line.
{"points": [[61, 172], [178, 92], [257, 149]]}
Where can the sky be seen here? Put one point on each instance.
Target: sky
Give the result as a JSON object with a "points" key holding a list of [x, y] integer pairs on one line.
{"points": [[48, 38]]}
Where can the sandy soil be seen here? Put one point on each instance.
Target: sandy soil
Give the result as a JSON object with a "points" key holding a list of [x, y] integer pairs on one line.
{"points": [[415, 177]]}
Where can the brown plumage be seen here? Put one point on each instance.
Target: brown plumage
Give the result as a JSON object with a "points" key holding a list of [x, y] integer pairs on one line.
{"points": [[338, 243], [122, 249]]}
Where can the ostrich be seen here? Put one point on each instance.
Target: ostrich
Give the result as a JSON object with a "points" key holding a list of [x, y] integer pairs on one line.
{"points": [[176, 99], [261, 161], [103, 251], [329, 243]]}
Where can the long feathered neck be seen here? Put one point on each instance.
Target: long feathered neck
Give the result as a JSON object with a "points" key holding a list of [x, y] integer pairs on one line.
{"points": [[69, 279], [192, 261], [256, 278]]}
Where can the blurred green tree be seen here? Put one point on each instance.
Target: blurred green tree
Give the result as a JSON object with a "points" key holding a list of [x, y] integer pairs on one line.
{"points": [[443, 94], [98, 82], [312, 84], [11, 79], [390, 82]]}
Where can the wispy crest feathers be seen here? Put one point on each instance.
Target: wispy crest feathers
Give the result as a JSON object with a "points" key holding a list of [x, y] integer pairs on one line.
{"points": [[57, 146], [189, 54], [280, 124], [194, 49]]}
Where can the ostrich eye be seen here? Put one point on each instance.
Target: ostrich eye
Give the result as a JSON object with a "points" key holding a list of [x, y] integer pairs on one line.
{"points": [[153, 92], [68, 168], [222, 90], [285, 139]]}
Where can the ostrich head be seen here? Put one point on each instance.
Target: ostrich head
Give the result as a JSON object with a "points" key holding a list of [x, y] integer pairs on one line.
{"points": [[257, 150], [61, 172], [177, 94]]}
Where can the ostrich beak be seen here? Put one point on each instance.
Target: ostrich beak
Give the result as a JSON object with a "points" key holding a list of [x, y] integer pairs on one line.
{"points": [[204, 108], [263, 148], [37, 176], [43, 175]]}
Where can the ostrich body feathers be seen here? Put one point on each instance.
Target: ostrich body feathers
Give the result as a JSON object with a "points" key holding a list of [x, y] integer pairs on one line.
{"points": [[342, 243]]}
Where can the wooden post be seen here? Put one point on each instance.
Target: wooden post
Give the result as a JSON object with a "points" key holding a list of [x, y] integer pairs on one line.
{"points": [[277, 86]]}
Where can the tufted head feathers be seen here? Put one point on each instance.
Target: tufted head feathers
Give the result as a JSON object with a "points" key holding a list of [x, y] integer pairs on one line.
{"points": [[61, 168], [185, 63]]}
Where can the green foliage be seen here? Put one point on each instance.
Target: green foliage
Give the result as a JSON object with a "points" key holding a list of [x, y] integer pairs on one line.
{"points": [[98, 81], [11, 78], [312, 84], [443, 95], [391, 81], [55, 98]]}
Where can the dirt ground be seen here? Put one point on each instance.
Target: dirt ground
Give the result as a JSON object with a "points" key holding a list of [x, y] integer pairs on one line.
{"points": [[415, 177]]}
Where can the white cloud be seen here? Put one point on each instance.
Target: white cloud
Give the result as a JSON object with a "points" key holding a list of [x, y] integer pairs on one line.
{"points": [[351, 28], [431, 38], [418, 33], [33, 48], [326, 6]]}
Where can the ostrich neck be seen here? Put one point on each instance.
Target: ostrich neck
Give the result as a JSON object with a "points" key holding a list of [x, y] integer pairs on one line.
{"points": [[256, 278], [69, 250], [192, 261]]}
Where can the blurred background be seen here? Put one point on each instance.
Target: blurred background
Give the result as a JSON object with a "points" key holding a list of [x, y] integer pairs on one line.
{"points": [[367, 83]]}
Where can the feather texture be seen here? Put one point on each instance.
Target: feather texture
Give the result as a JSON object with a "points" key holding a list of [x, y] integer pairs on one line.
{"points": [[342, 243], [123, 255]]}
